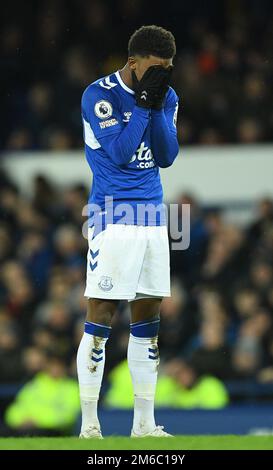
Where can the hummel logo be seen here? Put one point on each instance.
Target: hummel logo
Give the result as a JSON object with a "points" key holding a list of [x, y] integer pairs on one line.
{"points": [[144, 95], [127, 116]]}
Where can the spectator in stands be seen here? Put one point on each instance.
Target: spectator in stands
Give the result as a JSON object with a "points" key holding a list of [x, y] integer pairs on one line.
{"points": [[261, 276], [57, 318], [178, 322], [48, 404], [11, 366], [179, 386], [34, 360], [248, 355], [213, 356], [246, 302], [222, 72]]}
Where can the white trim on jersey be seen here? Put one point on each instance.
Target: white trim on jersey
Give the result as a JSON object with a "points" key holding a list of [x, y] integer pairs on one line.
{"points": [[89, 136], [122, 84], [108, 84]]}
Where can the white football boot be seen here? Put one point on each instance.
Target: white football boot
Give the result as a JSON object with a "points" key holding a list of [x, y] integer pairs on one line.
{"points": [[157, 432], [93, 432]]}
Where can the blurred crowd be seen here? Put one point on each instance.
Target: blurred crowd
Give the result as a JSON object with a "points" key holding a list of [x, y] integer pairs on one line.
{"points": [[218, 325], [52, 49], [218, 322]]}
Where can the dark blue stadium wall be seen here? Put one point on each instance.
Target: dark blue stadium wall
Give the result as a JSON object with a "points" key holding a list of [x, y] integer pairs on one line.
{"points": [[247, 419]]}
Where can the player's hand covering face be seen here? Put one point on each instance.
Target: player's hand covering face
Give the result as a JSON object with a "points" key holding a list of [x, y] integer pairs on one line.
{"points": [[151, 90]]}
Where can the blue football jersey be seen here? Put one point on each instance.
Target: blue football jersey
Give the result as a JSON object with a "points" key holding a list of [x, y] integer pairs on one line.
{"points": [[107, 106]]}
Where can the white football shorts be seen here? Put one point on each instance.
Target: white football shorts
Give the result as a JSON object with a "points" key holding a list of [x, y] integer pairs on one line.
{"points": [[128, 262]]}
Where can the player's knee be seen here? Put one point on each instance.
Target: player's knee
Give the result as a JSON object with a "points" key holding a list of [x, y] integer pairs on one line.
{"points": [[101, 311], [145, 309]]}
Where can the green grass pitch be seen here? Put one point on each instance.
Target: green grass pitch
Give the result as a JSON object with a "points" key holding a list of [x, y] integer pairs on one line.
{"points": [[122, 443]]}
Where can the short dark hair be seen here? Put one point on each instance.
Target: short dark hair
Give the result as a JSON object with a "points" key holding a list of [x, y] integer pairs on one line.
{"points": [[152, 40]]}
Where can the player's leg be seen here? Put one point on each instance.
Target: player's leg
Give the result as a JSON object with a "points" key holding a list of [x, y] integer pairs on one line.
{"points": [[109, 279], [143, 353], [91, 360], [143, 361]]}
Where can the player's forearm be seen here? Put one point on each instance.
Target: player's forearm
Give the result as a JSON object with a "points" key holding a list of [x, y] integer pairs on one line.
{"points": [[164, 141], [122, 148]]}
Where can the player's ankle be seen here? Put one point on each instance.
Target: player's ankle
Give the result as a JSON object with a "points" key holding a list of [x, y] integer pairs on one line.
{"points": [[143, 428], [90, 424]]}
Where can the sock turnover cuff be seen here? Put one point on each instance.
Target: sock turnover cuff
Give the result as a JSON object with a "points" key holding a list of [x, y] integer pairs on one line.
{"points": [[145, 329], [96, 329]]}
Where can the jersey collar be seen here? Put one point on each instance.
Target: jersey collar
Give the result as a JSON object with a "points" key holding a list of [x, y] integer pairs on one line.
{"points": [[122, 84]]}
